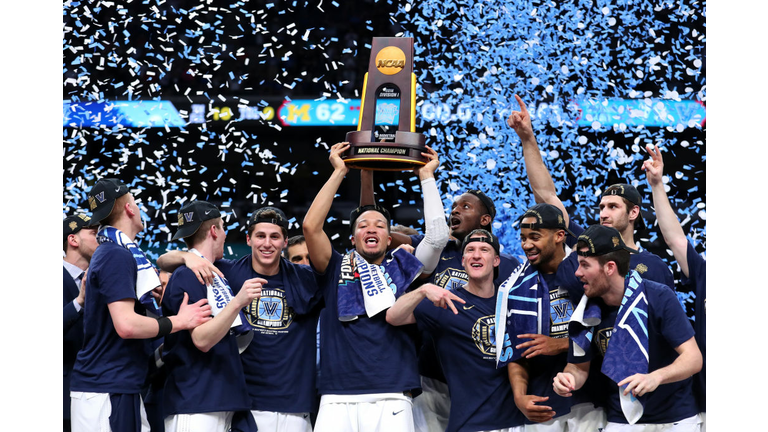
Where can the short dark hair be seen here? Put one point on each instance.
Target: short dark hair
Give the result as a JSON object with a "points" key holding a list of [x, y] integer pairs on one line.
{"points": [[267, 213], [199, 235], [293, 241], [620, 257]]}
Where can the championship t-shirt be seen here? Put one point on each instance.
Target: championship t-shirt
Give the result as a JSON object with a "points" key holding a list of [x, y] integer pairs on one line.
{"points": [[279, 363], [199, 382], [450, 274], [481, 397], [363, 356], [668, 327]]}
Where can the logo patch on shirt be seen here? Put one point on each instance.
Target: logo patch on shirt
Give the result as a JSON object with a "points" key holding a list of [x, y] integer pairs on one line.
{"points": [[270, 311], [451, 279], [602, 339], [641, 268], [484, 335]]}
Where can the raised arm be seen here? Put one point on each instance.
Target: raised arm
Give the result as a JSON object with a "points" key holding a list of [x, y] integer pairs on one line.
{"points": [[201, 267], [668, 223], [541, 182], [318, 244], [436, 236], [401, 312]]}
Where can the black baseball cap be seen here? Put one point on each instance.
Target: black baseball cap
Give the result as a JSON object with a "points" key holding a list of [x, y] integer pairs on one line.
{"points": [[602, 240], [354, 214], [547, 216], [102, 197], [73, 224], [630, 193], [258, 216], [487, 202], [192, 215], [483, 236]]}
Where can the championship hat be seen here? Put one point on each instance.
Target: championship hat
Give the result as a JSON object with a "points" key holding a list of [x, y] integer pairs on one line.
{"points": [[278, 219], [630, 193], [354, 214], [192, 215], [102, 197], [483, 236], [73, 224], [601, 240], [547, 216], [487, 202]]}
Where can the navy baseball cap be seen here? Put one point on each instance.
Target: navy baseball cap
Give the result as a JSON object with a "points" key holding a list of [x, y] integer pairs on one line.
{"points": [[487, 202], [102, 197], [601, 240], [354, 214], [630, 193], [547, 216], [192, 215], [483, 236], [73, 224], [278, 219]]}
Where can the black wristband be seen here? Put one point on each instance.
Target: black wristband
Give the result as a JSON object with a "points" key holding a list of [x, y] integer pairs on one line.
{"points": [[165, 326]]}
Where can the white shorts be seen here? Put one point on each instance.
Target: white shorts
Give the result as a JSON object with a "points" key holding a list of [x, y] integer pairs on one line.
{"points": [[582, 418], [90, 412], [432, 407], [509, 429], [690, 424], [218, 421], [269, 421], [383, 415]]}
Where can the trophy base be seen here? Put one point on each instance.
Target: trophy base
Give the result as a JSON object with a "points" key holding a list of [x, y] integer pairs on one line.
{"points": [[402, 155]]}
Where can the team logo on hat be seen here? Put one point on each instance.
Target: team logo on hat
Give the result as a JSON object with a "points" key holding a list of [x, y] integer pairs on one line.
{"points": [[188, 216], [84, 218], [91, 203], [615, 241], [180, 220], [72, 225]]}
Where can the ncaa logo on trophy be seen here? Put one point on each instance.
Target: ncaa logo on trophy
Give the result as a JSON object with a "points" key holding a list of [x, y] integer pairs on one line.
{"points": [[385, 139]]}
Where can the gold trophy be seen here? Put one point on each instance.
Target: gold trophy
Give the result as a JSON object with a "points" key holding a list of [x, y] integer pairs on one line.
{"points": [[385, 139]]}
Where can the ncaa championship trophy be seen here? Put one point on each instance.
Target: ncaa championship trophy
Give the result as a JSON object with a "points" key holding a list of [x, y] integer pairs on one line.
{"points": [[385, 139]]}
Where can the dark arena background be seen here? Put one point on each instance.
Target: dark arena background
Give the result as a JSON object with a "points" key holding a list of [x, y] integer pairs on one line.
{"points": [[238, 102]]}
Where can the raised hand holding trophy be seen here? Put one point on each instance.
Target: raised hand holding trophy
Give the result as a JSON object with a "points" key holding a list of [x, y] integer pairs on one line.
{"points": [[385, 139]]}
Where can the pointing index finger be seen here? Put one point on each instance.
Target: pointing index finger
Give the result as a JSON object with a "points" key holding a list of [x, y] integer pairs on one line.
{"points": [[523, 108]]}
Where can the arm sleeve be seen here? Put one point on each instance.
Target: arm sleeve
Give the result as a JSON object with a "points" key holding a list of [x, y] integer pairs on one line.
{"points": [[428, 251]]}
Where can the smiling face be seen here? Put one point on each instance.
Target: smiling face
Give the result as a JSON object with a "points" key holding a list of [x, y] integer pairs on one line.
{"points": [[479, 259], [468, 213], [266, 241], [592, 274], [541, 245], [371, 236]]}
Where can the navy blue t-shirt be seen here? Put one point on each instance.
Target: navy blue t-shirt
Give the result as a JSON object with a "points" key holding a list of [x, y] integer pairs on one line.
{"points": [[279, 363], [364, 356], [542, 368], [668, 327], [697, 279], [108, 363], [450, 274], [199, 382], [481, 397]]}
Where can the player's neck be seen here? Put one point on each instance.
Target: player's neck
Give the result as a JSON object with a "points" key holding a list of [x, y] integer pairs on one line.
{"points": [[616, 292], [629, 237], [206, 249], [482, 288], [266, 270]]}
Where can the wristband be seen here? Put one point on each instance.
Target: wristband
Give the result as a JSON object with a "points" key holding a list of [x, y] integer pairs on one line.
{"points": [[165, 326]]}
